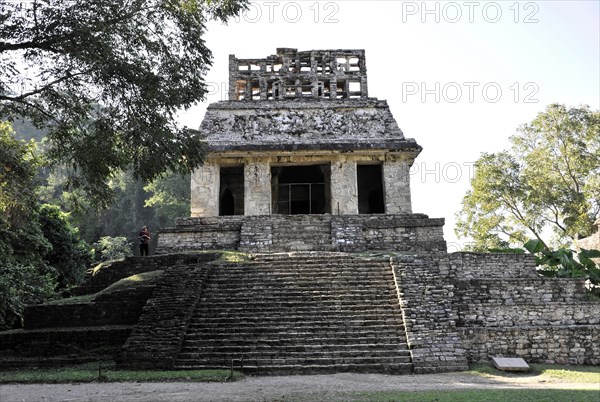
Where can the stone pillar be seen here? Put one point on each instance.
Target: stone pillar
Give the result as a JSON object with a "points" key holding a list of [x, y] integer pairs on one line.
{"points": [[257, 188], [396, 183], [344, 188], [205, 190]]}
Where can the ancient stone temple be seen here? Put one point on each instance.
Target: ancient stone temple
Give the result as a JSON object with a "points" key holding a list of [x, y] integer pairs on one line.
{"points": [[300, 149], [304, 170]]}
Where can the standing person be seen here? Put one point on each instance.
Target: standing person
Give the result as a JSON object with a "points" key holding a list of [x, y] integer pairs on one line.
{"points": [[144, 241]]}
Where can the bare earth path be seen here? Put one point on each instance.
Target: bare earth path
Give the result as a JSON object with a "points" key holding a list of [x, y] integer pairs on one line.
{"points": [[316, 387]]}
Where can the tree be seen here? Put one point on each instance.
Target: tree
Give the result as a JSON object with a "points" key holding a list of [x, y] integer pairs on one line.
{"points": [[113, 248], [546, 186], [18, 167], [24, 275], [105, 79], [69, 256], [40, 252]]}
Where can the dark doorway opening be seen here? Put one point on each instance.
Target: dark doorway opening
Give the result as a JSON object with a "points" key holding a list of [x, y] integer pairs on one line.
{"points": [[370, 189], [231, 192], [299, 189]]}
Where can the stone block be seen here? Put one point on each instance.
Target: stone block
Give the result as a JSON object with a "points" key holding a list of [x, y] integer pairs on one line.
{"points": [[510, 364]]}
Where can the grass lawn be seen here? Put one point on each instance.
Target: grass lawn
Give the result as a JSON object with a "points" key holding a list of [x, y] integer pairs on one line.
{"points": [[470, 395], [106, 372], [548, 372]]}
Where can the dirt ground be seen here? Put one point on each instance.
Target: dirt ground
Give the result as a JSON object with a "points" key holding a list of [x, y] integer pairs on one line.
{"points": [[315, 387]]}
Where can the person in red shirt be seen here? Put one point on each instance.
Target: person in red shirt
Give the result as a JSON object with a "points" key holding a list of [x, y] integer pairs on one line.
{"points": [[144, 241]]}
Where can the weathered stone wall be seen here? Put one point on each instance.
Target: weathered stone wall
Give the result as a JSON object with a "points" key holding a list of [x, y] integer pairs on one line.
{"points": [[396, 179], [411, 232], [113, 271], [344, 190], [426, 301], [210, 233], [231, 124], [547, 314], [157, 337], [466, 265], [519, 290], [257, 188], [84, 314], [205, 187], [63, 341], [122, 306], [504, 308], [536, 344]]}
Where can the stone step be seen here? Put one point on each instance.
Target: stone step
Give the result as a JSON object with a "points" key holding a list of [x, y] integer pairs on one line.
{"points": [[266, 321], [295, 367], [299, 314], [260, 316], [295, 272], [358, 311], [322, 339], [293, 336], [310, 360], [284, 294], [353, 261], [267, 347], [212, 304], [349, 265], [302, 281], [283, 298], [249, 354], [308, 262]]}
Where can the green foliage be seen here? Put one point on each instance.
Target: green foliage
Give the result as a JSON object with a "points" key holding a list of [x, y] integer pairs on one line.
{"points": [[156, 205], [565, 263], [40, 252], [113, 248], [18, 167], [21, 285], [170, 195], [106, 80], [70, 256], [548, 182], [89, 372]]}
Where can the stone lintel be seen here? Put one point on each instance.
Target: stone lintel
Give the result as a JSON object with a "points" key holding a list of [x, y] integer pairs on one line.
{"points": [[408, 145], [274, 157]]}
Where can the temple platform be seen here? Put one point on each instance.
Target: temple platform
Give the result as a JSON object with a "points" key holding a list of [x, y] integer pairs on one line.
{"points": [[276, 233]]}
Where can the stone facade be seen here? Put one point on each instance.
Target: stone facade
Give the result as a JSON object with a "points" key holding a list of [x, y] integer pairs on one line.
{"points": [[303, 167], [503, 308], [264, 233], [307, 139]]}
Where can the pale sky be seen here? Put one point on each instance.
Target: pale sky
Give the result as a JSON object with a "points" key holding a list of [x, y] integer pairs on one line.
{"points": [[459, 76]]}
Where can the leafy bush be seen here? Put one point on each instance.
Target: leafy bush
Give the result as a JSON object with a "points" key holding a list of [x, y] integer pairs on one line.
{"points": [[70, 256], [113, 248], [21, 285], [565, 263]]}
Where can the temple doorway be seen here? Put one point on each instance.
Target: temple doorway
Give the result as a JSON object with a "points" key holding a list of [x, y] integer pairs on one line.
{"points": [[300, 189], [231, 194], [370, 189]]}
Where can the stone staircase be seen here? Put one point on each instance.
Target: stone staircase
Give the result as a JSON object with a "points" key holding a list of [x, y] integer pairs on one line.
{"points": [[298, 313]]}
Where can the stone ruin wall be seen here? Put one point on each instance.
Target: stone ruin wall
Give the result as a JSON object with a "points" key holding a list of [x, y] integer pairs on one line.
{"points": [[266, 233], [343, 199], [231, 124], [503, 308]]}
